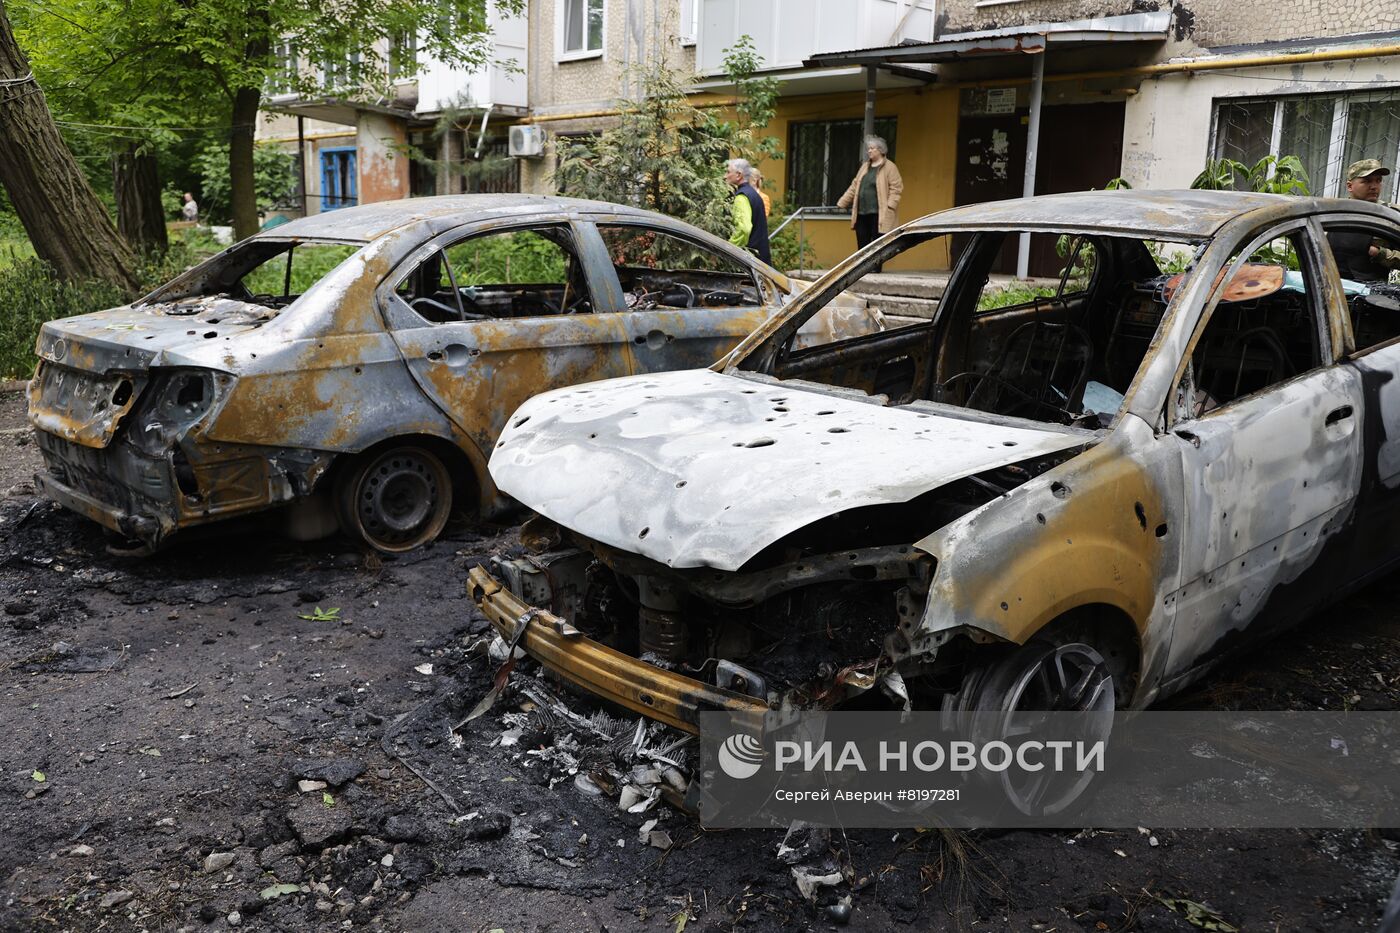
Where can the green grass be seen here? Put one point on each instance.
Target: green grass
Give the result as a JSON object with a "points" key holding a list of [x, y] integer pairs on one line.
{"points": [[30, 294], [1006, 296]]}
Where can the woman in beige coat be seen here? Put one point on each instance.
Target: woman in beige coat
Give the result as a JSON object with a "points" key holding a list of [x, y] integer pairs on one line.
{"points": [[873, 196]]}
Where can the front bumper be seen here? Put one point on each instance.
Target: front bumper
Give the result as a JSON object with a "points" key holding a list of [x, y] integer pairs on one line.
{"points": [[663, 695]]}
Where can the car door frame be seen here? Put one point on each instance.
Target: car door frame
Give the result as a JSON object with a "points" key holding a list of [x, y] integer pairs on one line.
{"points": [[1376, 532], [654, 329], [1227, 589], [456, 344]]}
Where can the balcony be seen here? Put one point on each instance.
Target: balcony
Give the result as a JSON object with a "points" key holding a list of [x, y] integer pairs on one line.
{"points": [[786, 32]]}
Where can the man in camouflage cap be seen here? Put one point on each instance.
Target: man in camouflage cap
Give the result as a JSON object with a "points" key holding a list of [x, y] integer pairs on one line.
{"points": [[1361, 257]]}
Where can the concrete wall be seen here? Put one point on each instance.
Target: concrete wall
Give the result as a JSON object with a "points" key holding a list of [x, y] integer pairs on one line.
{"points": [[1168, 123], [925, 152], [1206, 23], [381, 163]]}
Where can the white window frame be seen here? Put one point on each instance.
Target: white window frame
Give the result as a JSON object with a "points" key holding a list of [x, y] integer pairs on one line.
{"points": [[689, 24], [561, 12], [1334, 184]]}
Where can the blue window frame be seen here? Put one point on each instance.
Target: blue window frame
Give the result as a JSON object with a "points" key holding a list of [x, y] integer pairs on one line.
{"points": [[338, 185]]}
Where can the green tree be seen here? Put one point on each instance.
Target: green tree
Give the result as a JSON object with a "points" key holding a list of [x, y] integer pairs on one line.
{"points": [[274, 179], [1271, 175], [63, 218], [666, 154], [223, 53]]}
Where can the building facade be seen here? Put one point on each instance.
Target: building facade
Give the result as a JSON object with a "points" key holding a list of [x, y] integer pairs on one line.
{"points": [[960, 89]]}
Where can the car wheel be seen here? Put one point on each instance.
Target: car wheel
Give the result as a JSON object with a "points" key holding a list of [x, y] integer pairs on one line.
{"points": [[397, 499], [1003, 700]]}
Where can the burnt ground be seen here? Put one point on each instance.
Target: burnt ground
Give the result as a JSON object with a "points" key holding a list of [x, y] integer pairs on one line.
{"points": [[171, 705]]}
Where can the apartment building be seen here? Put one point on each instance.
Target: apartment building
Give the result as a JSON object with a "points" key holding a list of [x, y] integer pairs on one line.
{"points": [[434, 130], [962, 90]]}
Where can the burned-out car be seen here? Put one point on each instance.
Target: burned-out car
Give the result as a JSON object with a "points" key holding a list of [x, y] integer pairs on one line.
{"points": [[361, 363], [1078, 501]]}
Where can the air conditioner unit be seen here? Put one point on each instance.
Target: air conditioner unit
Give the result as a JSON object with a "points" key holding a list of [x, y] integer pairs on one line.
{"points": [[526, 142]]}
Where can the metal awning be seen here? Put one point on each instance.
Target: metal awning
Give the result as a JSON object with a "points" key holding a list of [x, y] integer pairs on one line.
{"points": [[1033, 39], [1010, 40]]}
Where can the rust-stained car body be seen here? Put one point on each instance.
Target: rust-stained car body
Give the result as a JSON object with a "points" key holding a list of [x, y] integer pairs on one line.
{"points": [[362, 362], [1078, 502]]}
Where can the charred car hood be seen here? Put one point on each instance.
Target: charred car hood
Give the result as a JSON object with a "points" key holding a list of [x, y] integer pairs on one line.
{"points": [[699, 468]]}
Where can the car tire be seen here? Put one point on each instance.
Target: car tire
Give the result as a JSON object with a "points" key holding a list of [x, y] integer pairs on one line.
{"points": [[998, 700], [395, 499]]}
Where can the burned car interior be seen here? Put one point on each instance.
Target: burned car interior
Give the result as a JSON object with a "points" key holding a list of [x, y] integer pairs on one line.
{"points": [[1069, 358], [659, 270], [500, 275]]}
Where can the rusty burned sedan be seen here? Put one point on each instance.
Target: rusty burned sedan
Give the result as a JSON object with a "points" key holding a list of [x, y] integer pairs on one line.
{"points": [[361, 363], [1079, 500]]}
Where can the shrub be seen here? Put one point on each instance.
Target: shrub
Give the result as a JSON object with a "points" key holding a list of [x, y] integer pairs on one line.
{"points": [[34, 295]]}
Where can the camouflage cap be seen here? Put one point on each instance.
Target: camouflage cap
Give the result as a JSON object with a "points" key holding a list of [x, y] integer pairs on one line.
{"points": [[1365, 167]]}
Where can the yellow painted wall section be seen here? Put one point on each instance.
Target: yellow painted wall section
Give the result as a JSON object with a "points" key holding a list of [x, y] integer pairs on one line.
{"points": [[925, 151]]}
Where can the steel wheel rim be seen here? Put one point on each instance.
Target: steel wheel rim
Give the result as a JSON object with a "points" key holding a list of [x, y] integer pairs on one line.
{"points": [[397, 503]]}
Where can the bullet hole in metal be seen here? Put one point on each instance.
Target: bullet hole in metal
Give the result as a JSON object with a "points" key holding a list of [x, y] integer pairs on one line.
{"points": [[1059, 490], [520, 421], [1162, 531], [761, 442], [1141, 514], [837, 430], [644, 533], [1040, 517]]}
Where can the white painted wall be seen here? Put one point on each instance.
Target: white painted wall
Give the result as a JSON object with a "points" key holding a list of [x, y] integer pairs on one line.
{"points": [[787, 31], [500, 83], [1168, 123]]}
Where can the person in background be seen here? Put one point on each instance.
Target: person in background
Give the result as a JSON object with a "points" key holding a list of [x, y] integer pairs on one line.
{"points": [[750, 219], [874, 194], [756, 179], [1361, 257], [190, 210]]}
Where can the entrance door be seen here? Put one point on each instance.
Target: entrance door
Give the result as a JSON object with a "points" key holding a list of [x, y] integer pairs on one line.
{"points": [[1081, 147]]}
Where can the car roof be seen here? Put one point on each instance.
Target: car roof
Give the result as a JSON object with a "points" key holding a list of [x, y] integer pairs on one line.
{"points": [[1165, 214], [371, 221]]}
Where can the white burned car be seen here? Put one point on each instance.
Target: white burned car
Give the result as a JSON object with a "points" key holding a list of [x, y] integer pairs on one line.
{"points": [[1078, 501]]}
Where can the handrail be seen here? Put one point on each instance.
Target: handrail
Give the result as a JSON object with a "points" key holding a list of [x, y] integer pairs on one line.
{"points": [[800, 212]]}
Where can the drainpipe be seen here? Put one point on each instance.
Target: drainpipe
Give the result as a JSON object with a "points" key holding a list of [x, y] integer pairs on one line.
{"points": [[1023, 257], [301, 163], [870, 75], [481, 137]]}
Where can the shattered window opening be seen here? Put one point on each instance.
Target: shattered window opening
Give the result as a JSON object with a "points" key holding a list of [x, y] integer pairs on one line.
{"points": [[263, 273], [1063, 354], [1368, 260], [1264, 325], [500, 275], [659, 270]]}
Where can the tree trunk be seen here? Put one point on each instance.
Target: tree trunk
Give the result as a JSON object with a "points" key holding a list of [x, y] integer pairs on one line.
{"points": [[140, 215], [242, 188], [66, 224]]}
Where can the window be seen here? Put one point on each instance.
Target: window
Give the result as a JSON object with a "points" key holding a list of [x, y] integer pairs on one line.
{"points": [[285, 276], [659, 270], [1368, 259], [1069, 358], [582, 27], [1327, 132], [689, 24], [511, 274], [339, 186], [283, 79], [823, 158], [403, 55], [340, 73], [1264, 326]]}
